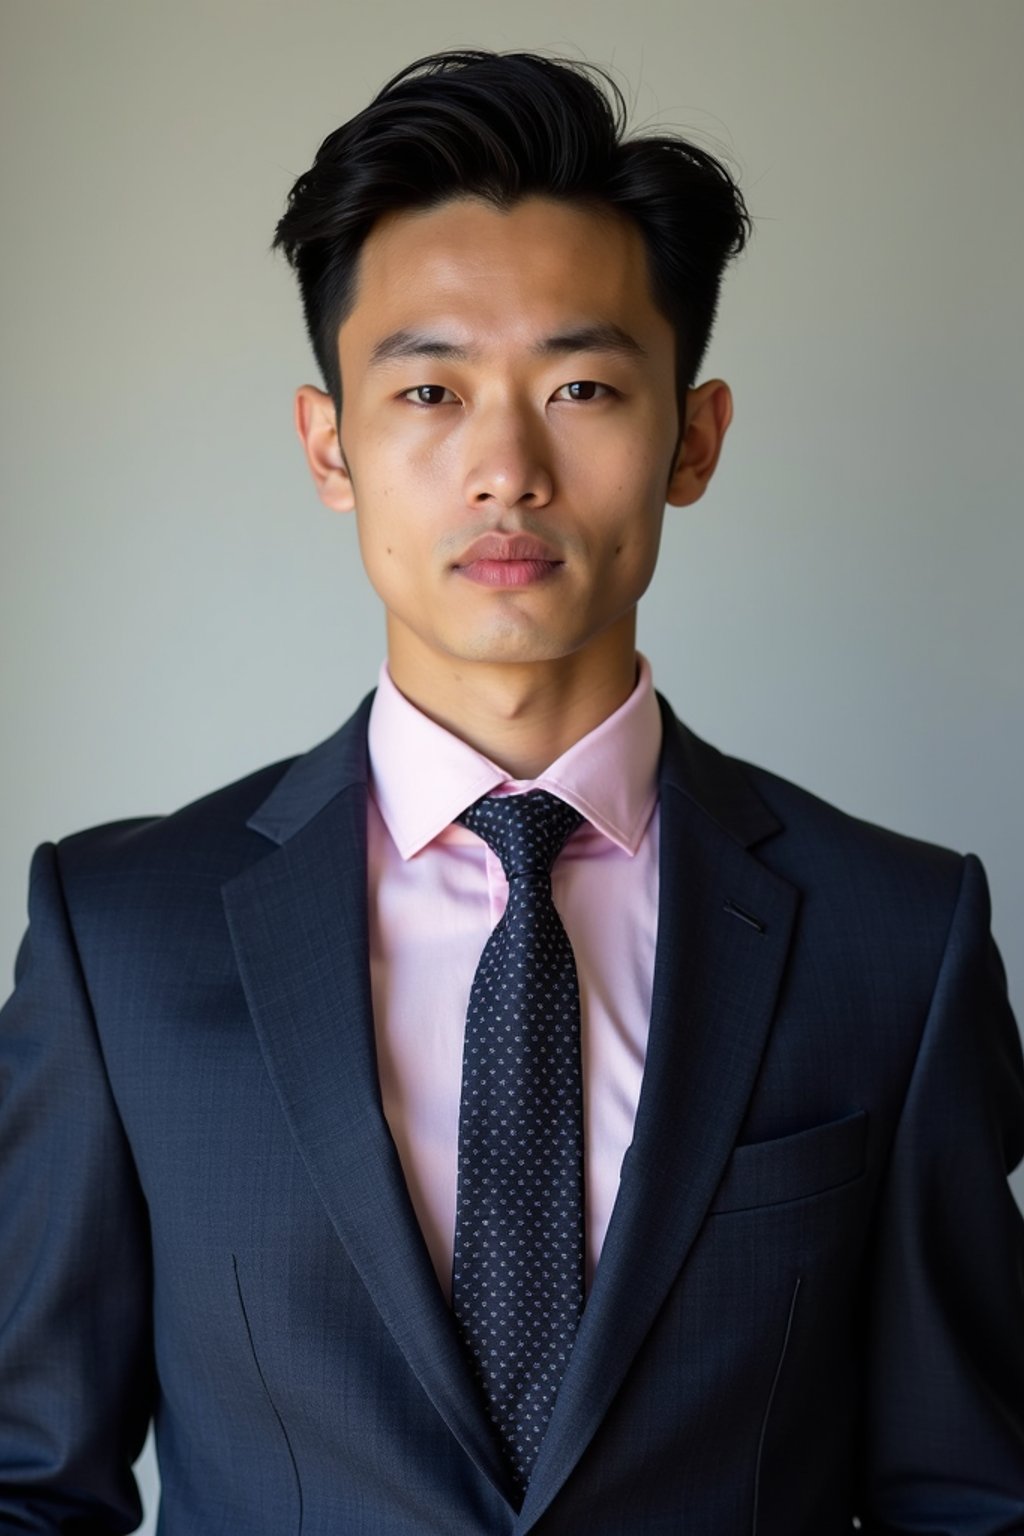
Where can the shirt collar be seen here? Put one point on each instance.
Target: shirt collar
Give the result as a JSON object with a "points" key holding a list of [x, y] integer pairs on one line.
{"points": [[422, 776]]}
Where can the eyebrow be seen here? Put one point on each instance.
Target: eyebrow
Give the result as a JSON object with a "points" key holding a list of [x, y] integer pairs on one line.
{"points": [[603, 337]]}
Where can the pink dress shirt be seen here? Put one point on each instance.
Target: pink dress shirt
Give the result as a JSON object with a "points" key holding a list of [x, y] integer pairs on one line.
{"points": [[435, 892]]}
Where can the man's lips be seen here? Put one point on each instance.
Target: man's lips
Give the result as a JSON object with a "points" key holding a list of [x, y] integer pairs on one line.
{"points": [[507, 560], [508, 546]]}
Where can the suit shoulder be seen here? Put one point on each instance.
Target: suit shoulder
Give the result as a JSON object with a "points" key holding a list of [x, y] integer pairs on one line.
{"points": [[207, 832], [840, 849], [797, 832]]}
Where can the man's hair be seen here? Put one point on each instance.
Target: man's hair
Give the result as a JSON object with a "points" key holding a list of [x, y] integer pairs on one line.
{"points": [[503, 127]]}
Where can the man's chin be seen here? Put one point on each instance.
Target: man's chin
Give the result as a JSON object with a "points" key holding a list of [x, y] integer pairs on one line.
{"points": [[514, 646]]}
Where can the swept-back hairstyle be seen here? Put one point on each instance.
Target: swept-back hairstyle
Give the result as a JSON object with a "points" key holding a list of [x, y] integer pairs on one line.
{"points": [[502, 127]]}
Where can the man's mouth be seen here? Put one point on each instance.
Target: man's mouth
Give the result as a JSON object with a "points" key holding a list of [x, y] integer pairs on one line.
{"points": [[508, 560]]}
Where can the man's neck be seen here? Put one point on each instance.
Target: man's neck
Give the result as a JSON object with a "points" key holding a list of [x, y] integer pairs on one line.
{"points": [[522, 717]]}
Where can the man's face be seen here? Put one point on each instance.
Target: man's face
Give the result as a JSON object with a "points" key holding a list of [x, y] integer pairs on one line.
{"points": [[508, 423]]}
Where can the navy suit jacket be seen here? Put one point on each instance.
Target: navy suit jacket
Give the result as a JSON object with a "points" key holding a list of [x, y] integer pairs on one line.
{"points": [[810, 1303]]}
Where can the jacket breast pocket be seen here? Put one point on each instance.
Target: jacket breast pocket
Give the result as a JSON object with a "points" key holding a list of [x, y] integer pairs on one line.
{"points": [[792, 1167]]}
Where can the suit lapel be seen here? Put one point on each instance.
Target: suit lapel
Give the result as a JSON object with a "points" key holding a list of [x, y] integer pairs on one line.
{"points": [[298, 922], [724, 928]]}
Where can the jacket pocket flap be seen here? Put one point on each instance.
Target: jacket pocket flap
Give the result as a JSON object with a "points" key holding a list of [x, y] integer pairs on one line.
{"points": [[793, 1167]]}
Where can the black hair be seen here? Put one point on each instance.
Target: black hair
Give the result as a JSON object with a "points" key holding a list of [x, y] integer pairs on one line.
{"points": [[502, 127]]}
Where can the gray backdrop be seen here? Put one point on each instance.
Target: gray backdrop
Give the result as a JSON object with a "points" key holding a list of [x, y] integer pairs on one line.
{"points": [[176, 606]]}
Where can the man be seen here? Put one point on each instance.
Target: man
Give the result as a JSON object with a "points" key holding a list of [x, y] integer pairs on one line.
{"points": [[511, 1115]]}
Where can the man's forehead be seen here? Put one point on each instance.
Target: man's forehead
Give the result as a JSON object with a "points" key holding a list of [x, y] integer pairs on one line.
{"points": [[446, 280], [540, 239], [533, 212]]}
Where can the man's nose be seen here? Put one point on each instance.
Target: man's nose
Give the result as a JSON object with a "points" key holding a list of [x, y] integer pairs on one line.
{"points": [[508, 460]]}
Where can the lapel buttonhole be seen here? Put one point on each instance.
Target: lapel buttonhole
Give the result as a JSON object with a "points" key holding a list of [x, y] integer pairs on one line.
{"points": [[747, 917]]}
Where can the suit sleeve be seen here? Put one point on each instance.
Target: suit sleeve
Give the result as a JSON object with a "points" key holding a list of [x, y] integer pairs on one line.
{"points": [[76, 1374], [942, 1447]]}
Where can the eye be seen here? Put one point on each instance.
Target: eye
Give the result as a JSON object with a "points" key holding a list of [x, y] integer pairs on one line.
{"points": [[427, 394], [585, 389]]}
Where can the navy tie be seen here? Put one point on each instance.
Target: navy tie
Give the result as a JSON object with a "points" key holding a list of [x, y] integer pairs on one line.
{"points": [[517, 1279]]}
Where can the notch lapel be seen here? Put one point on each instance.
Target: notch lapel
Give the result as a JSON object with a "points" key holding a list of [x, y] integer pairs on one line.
{"points": [[298, 923], [716, 980]]}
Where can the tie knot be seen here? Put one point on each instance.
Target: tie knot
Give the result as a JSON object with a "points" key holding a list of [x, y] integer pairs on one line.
{"points": [[527, 832]]}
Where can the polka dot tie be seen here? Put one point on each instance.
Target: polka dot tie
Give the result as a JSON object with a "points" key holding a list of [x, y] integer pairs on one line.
{"points": [[517, 1280]]}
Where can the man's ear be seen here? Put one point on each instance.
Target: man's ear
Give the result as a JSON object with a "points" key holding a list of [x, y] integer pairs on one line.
{"points": [[316, 425], [708, 414]]}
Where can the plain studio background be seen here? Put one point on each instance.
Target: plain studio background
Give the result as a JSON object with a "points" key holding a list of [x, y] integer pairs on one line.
{"points": [[844, 606]]}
